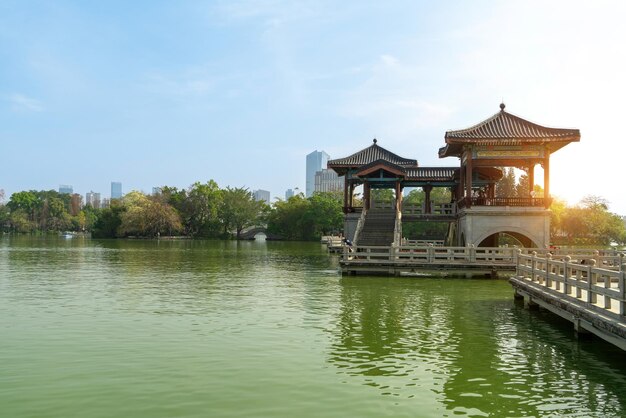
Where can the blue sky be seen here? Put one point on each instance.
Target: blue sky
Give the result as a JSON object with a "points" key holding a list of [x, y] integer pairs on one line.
{"points": [[156, 93]]}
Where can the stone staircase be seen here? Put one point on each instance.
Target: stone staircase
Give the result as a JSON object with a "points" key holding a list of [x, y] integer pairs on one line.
{"points": [[378, 228]]}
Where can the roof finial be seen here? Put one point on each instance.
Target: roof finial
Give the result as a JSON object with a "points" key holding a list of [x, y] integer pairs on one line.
{"points": [[375, 140], [502, 105]]}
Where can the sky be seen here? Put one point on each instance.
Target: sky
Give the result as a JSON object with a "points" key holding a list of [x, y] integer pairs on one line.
{"points": [[153, 93]]}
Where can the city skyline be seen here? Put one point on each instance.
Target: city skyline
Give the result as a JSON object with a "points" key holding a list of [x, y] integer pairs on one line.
{"points": [[242, 90]]}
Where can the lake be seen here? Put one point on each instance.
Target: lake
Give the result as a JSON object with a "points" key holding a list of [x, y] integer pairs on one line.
{"points": [[122, 328]]}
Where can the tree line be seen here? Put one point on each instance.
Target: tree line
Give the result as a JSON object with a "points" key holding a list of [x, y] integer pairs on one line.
{"points": [[203, 210]]}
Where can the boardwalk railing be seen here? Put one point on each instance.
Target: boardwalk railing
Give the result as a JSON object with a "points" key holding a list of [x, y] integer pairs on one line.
{"points": [[597, 283], [408, 258], [430, 254]]}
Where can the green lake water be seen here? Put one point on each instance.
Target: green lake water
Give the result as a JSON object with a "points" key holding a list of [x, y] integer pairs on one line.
{"points": [[93, 328]]}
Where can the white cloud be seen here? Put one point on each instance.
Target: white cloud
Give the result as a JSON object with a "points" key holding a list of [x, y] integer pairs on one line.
{"points": [[20, 102]]}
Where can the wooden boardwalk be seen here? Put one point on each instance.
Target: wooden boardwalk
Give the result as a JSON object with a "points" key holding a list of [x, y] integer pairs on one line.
{"points": [[427, 259], [589, 292]]}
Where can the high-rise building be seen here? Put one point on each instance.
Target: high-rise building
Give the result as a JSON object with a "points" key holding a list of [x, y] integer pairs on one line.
{"points": [[116, 190], [263, 195], [66, 188], [328, 181], [289, 193], [315, 161], [93, 199]]}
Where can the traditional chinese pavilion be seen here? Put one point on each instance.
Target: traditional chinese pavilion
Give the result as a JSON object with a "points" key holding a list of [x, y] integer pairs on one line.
{"points": [[475, 215]]}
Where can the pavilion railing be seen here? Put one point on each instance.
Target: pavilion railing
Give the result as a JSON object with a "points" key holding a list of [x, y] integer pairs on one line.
{"points": [[504, 201], [442, 209]]}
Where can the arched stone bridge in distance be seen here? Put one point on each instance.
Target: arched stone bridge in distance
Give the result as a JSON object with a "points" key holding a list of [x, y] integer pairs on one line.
{"points": [[252, 232]]}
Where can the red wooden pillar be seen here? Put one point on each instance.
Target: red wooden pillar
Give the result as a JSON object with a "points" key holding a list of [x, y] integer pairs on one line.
{"points": [[366, 195], [427, 205], [546, 180], [468, 178], [345, 193], [351, 197], [398, 196], [460, 191], [531, 180]]}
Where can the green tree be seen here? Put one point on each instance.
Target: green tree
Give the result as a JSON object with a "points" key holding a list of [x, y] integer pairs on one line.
{"points": [[324, 215], [506, 186], [286, 218], [239, 210], [27, 202], [591, 223], [147, 217], [19, 221], [108, 221], [200, 209], [300, 218]]}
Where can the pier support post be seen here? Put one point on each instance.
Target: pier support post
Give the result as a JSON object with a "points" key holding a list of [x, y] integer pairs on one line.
{"points": [[581, 333], [532, 305]]}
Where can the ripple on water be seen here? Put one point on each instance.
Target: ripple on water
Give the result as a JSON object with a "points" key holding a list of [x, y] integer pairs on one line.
{"points": [[239, 329]]}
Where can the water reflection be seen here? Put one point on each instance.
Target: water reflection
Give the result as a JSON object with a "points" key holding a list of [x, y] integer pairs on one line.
{"points": [[478, 352]]}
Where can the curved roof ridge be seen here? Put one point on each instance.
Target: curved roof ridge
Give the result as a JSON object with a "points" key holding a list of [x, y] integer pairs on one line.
{"points": [[506, 125], [370, 154]]}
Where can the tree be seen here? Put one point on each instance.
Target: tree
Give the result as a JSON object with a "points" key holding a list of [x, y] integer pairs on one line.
{"points": [[285, 218], [19, 221], [591, 223], [239, 210], [109, 221], [147, 217], [27, 202], [198, 208], [505, 187], [300, 218], [324, 214]]}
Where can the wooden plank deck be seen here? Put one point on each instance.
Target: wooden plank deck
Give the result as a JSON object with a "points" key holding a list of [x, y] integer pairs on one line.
{"points": [[590, 293]]}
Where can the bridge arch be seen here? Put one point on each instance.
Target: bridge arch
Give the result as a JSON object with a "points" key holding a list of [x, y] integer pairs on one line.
{"points": [[250, 234], [525, 237]]}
